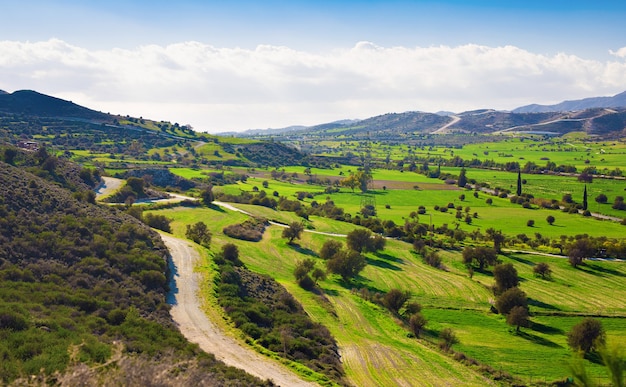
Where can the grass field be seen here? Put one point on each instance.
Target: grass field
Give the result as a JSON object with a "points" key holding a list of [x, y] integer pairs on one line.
{"points": [[374, 345]]}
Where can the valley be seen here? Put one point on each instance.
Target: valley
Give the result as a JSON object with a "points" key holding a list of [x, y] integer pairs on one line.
{"points": [[430, 200]]}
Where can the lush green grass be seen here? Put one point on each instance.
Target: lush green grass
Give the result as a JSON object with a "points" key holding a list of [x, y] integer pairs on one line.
{"points": [[375, 346], [501, 215], [553, 187]]}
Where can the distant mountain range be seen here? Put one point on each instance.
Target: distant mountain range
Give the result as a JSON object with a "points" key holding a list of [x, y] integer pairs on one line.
{"points": [[616, 101], [600, 116]]}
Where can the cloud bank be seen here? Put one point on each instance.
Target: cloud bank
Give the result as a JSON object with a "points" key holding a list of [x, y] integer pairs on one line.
{"points": [[218, 89]]}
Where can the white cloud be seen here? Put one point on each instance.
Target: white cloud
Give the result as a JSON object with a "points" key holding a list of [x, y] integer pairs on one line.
{"points": [[220, 89], [621, 53]]}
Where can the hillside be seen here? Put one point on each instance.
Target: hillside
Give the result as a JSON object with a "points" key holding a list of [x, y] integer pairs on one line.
{"points": [[32, 103], [84, 286], [419, 128], [616, 101]]}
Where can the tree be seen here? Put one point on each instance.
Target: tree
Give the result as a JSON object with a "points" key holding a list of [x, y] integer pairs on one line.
{"points": [[519, 182], [318, 274], [483, 256], [136, 185], [364, 178], [550, 219], [395, 299], [567, 198], [530, 223], [293, 231], [506, 277], [448, 338], [585, 198], [602, 199], [510, 298], [330, 248], [9, 155], [518, 317], [462, 178], [543, 270], [199, 233], [207, 195], [417, 322], [301, 272], [351, 182], [346, 263], [358, 240], [160, 222], [497, 237], [586, 336], [580, 249], [230, 252]]}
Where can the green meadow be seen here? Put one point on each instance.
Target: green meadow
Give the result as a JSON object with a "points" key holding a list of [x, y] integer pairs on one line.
{"points": [[375, 346]]}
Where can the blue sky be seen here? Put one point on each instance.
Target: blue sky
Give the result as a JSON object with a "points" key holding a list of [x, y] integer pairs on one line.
{"points": [[277, 63]]}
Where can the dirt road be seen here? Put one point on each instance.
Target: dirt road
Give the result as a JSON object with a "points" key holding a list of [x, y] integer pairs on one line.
{"points": [[197, 328], [109, 185]]}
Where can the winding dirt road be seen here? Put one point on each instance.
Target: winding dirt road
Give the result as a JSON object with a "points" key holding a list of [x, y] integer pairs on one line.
{"points": [[197, 328], [108, 186]]}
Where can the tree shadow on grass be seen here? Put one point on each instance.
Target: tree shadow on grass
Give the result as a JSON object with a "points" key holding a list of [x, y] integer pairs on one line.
{"points": [[594, 357], [388, 257], [521, 260], [541, 328], [382, 264], [541, 304], [215, 207], [584, 267], [537, 339], [330, 292], [360, 282], [605, 270], [304, 250]]}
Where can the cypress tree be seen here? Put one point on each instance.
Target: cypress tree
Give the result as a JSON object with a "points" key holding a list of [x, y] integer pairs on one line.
{"points": [[462, 178], [519, 182], [585, 198]]}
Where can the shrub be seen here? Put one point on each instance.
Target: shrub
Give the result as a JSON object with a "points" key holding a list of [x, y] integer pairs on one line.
{"points": [[395, 299], [543, 270], [160, 222], [417, 322], [448, 338], [199, 233], [250, 230], [530, 223], [346, 263]]}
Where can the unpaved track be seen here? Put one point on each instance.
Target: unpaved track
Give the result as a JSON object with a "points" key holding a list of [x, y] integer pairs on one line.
{"points": [[197, 328], [109, 186]]}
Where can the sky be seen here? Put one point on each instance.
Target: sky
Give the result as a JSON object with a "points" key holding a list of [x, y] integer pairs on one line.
{"points": [[234, 65]]}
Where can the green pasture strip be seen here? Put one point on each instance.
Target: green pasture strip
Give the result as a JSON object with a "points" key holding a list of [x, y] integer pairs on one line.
{"points": [[595, 288], [213, 151], [537, 354], [501, 215], [552, 187]]}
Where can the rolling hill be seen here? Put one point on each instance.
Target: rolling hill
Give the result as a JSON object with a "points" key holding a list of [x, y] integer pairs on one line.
{"points": [[616, 101], [32, 103]]}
